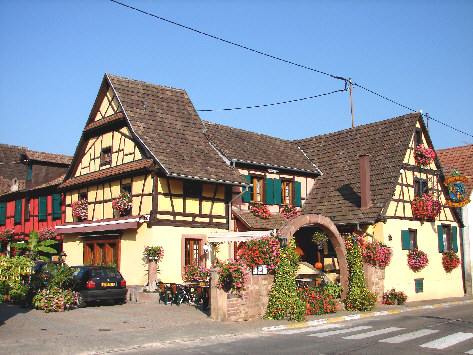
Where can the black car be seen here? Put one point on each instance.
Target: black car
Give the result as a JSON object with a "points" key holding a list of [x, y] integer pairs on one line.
{"points": [[98, 283]]}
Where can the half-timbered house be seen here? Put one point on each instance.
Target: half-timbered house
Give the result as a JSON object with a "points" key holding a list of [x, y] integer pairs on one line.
{"points": [[33, 202]]}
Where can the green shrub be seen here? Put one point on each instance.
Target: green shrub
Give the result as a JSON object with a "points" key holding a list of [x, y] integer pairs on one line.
{"points": [[333, 289], [57, 276], [55, 300], [317, 301], [18, 292]]}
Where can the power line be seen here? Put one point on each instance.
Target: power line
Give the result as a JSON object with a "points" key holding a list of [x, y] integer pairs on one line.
{"points": [[276, 103], [228, 42], [281, 60]]}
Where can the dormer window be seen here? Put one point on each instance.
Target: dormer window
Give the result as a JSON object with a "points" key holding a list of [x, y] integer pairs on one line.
{"points": [[106, 156], [417, 137]]}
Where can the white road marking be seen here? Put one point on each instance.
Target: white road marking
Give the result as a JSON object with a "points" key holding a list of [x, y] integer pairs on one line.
{"points": [[310, 329], [447, 341], [373, 333], [409, 336], [469, 352], [340, 331]]}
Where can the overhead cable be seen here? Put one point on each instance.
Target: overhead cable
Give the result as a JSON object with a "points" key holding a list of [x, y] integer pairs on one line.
{"points": [[446, 125], [276, 103], [228, 42]]}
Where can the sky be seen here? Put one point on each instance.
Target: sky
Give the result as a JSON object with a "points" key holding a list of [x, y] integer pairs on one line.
{"points": [[54, 54]]}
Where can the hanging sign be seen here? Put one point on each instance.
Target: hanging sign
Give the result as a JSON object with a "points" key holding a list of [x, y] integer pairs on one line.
{"points": [[457, 191]]}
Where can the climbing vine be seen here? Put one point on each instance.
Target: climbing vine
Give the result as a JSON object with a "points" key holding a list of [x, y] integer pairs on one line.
{"points": [[284, 301], [359, 298]]}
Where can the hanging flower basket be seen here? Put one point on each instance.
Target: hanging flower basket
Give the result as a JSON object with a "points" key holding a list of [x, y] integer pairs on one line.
{"points": [[425, 207], [80, 210], [122, 204], [155, 253], [262, 251], [6, 235], [260, 210], [289, 211], [450, 261], [417, 260], [47, 234], [423, 155], [232, 276], [376, 253]]}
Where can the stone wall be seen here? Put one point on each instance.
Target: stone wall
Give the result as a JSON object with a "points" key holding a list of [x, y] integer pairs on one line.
{"points": [[250, 305], [374, 280]]}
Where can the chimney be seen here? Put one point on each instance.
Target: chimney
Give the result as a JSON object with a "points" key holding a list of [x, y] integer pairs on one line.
{"points": [[365, 188]]}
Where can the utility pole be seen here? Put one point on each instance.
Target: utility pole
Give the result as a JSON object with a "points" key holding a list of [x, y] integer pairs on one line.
{"points": [[351, 99]]}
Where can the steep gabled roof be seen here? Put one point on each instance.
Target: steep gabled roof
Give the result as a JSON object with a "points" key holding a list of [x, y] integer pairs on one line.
{"points": [[254, 148], [10, 166], [337, 193], [460, 158]]}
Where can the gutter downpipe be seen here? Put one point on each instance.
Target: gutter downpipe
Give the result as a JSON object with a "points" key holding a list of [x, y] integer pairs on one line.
{"points": [[367, 233]]}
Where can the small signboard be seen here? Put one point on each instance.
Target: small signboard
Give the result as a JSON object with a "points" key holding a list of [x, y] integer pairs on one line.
{"points": [[260, 270]]}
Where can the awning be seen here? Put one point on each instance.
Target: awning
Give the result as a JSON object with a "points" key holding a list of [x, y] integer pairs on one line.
{"points": [[98, 226], [236, 236]]}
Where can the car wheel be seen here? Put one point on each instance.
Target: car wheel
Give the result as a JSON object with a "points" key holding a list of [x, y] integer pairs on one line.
{"points": [[80, 301]]}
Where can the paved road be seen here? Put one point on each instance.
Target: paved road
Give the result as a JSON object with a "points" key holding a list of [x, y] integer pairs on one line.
{"points": [[429, 331]]}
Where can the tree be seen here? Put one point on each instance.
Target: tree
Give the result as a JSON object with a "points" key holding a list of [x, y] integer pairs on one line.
{"points": [[34, 246]]}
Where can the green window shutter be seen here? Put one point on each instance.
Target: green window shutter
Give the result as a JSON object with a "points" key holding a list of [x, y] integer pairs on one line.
{"points": [[56, 205], [405, 240], [247, 195], [440, 239], [43, 208], [18, 211], [3, 213], [269, 185], [297, 194], [277, 191], [455, 239], [419, 285]]}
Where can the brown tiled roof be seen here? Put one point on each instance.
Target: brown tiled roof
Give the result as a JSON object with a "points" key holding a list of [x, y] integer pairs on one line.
{"points": [[105, 173], [48, 157], [275, 221], [460, 158], [166, 122], [337, 193], [112, 118], [250, 147], [6, 185], [10, 166]]}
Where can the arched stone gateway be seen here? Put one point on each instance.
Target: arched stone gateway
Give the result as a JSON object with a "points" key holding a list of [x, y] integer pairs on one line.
{"points": [[332, 233]]}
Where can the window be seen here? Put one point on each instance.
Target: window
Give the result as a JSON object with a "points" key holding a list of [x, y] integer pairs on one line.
{"points": [[421, 187], [417, 137], [447, 238], [18, 211], [409, 239], [419, 285], [27, 209], [106, 156], [43, 208], [102, 252], [126, 188], [56, 206], [83, 196], [257, 189], [192, 251], [287, 189], [30, 172]]}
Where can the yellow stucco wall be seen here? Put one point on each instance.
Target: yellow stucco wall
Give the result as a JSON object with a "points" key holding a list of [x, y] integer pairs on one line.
{"points": [[108, 106], [132, 266], [398, 275]]}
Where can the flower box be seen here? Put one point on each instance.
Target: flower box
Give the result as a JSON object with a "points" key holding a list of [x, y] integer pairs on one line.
{"points": [[425, 207], [423, 155], [122, 205], [80, 210]]}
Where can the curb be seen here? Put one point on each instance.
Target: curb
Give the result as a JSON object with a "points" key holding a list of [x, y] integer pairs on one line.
{"points": [[360, 316]]}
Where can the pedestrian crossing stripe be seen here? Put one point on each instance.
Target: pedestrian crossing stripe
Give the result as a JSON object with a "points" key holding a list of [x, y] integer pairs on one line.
{"points": [[373, 333], [340, 331], [448, 340], [409, 336]]}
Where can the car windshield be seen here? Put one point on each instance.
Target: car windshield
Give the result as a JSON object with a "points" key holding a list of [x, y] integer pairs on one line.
{"points": [[105, 273]]}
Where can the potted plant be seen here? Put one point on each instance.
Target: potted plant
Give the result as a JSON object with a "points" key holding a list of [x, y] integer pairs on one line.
{"points": [[417, 260], [423, 155], [262, 251], [80, 210], [376, 253], [195, 273], [232, 276], [155, 253], [450, 261], [122, 204], [289, 211], [47, 234], [425, 207], [6, 235], [260, 210]]}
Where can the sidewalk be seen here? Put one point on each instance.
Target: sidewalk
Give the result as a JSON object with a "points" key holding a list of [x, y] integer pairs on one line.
{"points": [[110, 328]]}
